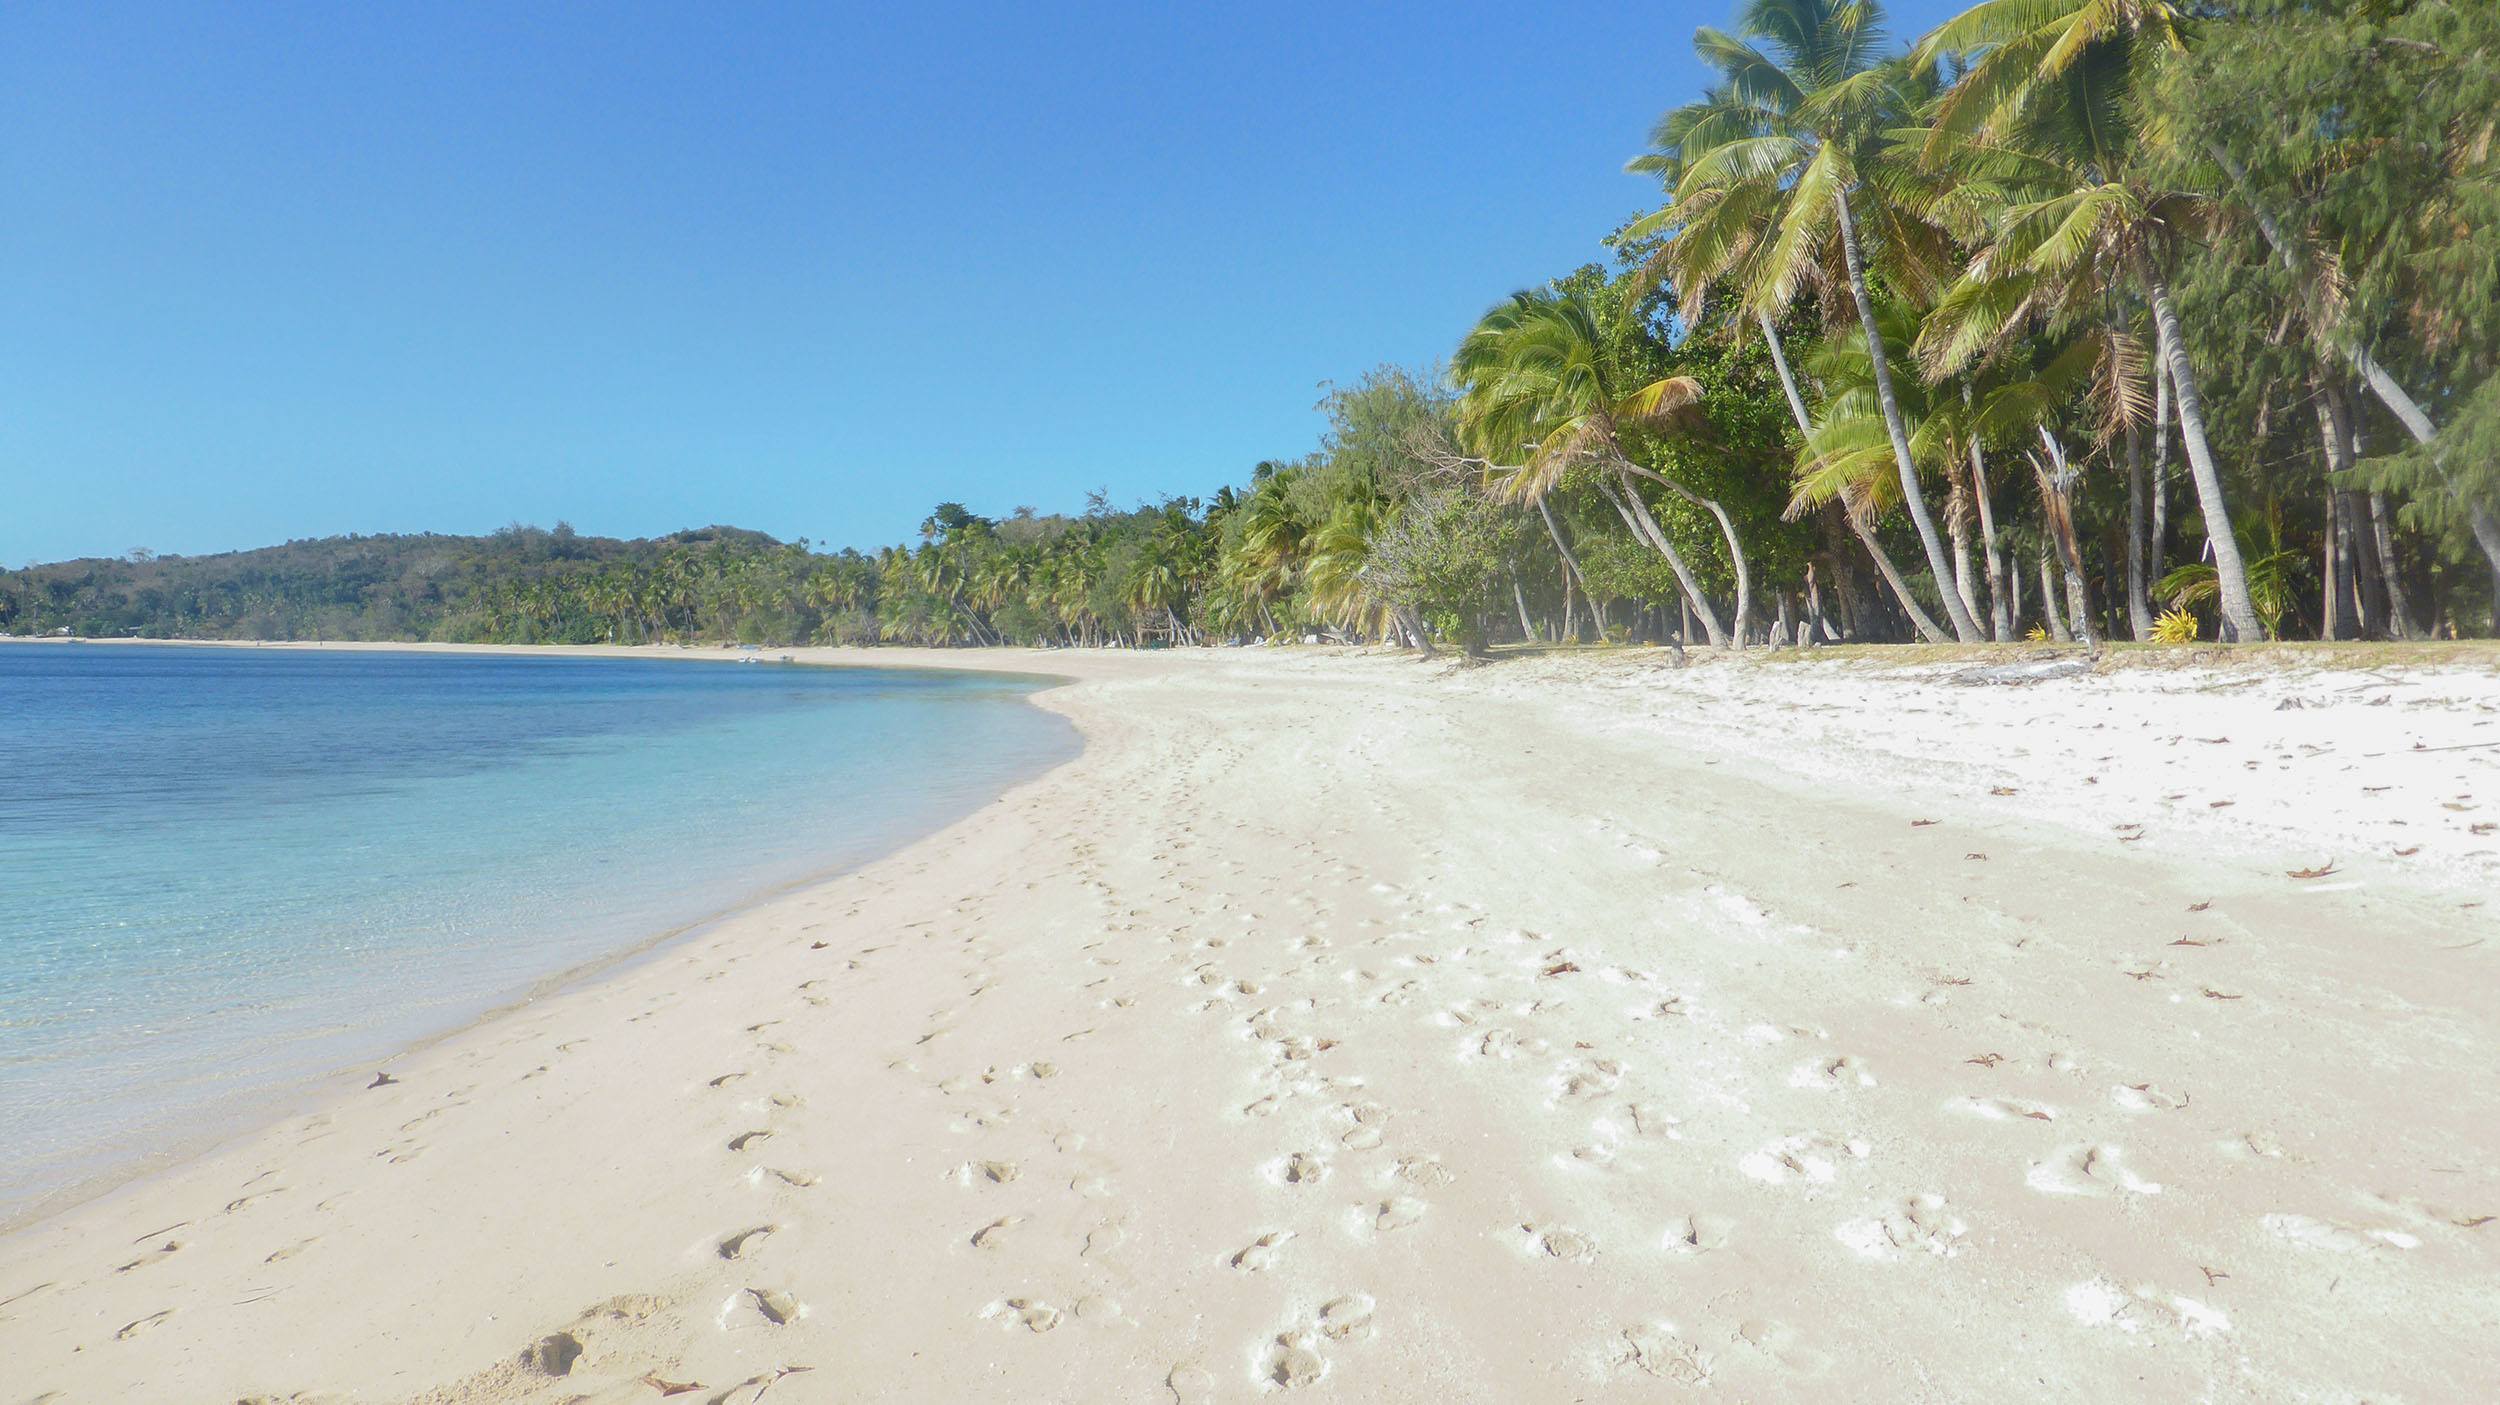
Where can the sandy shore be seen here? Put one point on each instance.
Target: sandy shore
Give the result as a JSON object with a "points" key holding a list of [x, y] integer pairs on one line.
{"points": [[1561, 1030]]}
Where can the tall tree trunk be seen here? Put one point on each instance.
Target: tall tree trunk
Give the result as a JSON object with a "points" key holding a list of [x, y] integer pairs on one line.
{"points": [[2139, 600], [2057, 506], [2383, 535], [2048, 598], [2229, 571], [1964, 627], [1527, 629], [1957, 515], [1635, 513], [1883, 562], [2157, 541], [2000, 619], [2335, 579]]}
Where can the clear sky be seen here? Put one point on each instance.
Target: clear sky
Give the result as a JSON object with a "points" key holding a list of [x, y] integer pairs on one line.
{"points": [[281, 270]]}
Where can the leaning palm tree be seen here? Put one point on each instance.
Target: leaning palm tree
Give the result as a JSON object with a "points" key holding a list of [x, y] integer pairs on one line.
{"points": [[2039, 123], [1536, 379], [1792, 141]]}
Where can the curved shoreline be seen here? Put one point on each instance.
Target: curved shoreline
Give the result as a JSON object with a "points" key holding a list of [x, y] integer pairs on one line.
{"points": [[243, 1115]]}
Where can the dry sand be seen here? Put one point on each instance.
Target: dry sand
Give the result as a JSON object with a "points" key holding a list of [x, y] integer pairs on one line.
{"points": [[1558, 1030]]}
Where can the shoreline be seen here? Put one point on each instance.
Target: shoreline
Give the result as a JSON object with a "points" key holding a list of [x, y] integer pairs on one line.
{"points": [[1214, 820], [255, 1113]]}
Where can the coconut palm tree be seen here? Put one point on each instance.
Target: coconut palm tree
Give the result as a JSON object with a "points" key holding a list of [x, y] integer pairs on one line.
{"points": [[1535, 377], [2039, 125], [1791, 141]]}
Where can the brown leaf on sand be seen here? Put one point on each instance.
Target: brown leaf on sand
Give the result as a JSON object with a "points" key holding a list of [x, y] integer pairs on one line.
{"points": [[1922, 824], [1986, 1060], [2200, 907], [818, 946], [2408, 853], [2320, 871], [2221, 804], [2476, 1222], [2484, 828], [380, 1080], [2148, 975], [669, 1387], [2001, 790], [2213, 741], [1560, 968], [1974, 856], [2187, 941], [2212, 1275], [2213, 994]]}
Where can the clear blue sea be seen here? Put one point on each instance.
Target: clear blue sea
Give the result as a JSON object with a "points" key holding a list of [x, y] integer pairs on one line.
{"points": [[224, 872]]}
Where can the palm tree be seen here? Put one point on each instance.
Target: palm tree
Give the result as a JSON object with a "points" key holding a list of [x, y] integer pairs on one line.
{"points": [[2040, 120], [1535, 375], [1791, 141]]}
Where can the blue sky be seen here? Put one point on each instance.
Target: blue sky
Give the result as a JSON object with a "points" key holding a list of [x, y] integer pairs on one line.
{"points": [[284, 270]]}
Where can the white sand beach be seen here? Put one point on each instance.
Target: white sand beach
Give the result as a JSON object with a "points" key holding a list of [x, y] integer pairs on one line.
{"points": [[1562, 1029]]}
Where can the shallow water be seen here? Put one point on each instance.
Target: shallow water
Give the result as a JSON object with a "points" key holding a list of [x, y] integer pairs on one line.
{"points": [[223, 871]]}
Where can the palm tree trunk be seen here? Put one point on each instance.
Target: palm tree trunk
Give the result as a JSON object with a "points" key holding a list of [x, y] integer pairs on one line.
{"points": [[1883, 562], [2156, 541], [2057, 507], [1964, 627], [1727, 530], [2229, 572], [2139, 598], [1635, 515], [2000, 614], [2048, 599]]}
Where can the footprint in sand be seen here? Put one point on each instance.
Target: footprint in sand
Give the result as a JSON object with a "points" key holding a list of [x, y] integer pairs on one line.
{"points": [[1291, 1362], [1397, 1212], [146, 1323], [1777, 1344], [2336, 1238], [1031, 1314], [975, 1173], [739, 1245], [799, 1180], [1832, 1075], [1920, 1224], [1556, 1242], [744, 1140], [1348, 1316], [1653, 1349], [1809, 1158], [1425, 1172], [1261, 1253], [2003, 1109], [168, 1247], [1302, 1168], [1699, 1234], [2100, 1303], [776, 1308], [2088, 1170], [1103, 1238], [991, 1235]]}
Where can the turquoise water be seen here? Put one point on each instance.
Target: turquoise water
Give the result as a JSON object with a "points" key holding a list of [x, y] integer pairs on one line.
{"points": [[224, 872]]}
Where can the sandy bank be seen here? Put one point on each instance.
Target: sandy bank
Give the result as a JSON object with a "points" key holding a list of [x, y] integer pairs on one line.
{"points": [[1562, 1029]]}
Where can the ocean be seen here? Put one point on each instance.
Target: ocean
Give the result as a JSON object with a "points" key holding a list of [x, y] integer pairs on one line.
{"points": [[224, 872]]}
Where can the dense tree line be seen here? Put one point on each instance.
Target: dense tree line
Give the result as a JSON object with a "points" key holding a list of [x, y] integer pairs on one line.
{"points": [[2163, 319]]}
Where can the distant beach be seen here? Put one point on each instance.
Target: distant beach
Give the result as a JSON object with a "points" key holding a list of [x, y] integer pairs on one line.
{"points": [[1569, 1027]]}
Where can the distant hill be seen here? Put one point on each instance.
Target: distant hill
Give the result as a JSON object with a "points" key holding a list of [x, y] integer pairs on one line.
{"points": [[521, 584]]}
